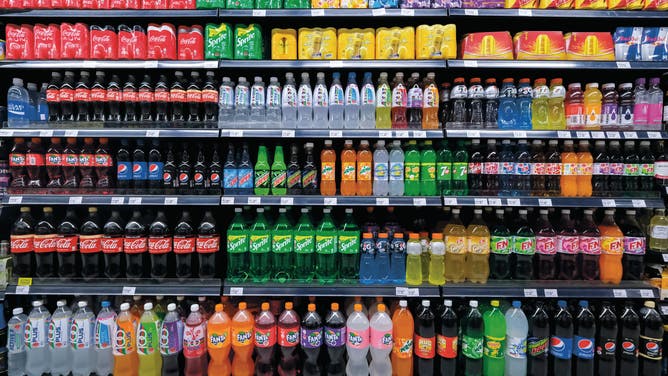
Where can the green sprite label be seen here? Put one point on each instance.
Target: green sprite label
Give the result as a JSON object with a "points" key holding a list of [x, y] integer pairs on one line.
{"points": [[444, 171], [495, 347], [260, 243], [459, 170], [281, 243], [472, 347], [325, 244], [501, 245], [524, 245], [304, 244], [428, 171], [237, 243], [349, 243], [261, 178], [412, 171]]}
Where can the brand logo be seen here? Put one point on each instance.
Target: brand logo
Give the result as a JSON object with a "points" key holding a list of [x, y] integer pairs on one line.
{"points": [[122, 169], [628, 346], [652, 347], [557, 344], [136, 168], [166, 177], [585, 345], [199, 177], [153, 168], [217, 339], [183, 177], [610, 347], [354, 339], [242, 337], [262, 338]]}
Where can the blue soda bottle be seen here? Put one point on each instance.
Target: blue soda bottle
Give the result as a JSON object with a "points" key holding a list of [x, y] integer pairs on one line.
{"points": [[507, 105], [381, 266], [524, 99], [398, 259], [367, 251]]}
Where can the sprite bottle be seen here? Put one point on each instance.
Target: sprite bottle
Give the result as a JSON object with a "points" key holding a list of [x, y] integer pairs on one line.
{"points": [[262, 172], [279, 173], [349, 248], [444, 170], [428, 170], [260, 246], [148, 342], [237, 248], [281, 250], [326, 249], [412, 170], [304, 240], [495, 341]]}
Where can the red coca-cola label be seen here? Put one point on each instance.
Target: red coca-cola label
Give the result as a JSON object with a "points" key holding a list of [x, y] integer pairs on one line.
{"points": [[208, 244], [184, 245], [57, 4], [103, 43], [86, 160], [54, 159], [81, 94], [133, 4], [129, 95], [98, 95], [161, 42], [17, 160], [20, 42], [52, 95], [145, 96], [210, 96], [67, 244], [66, 95], [135, 245], [88, 4], [47, 42], [21, 243], [177, 95], [118, 4], [74, 41], [72, 4], [491, 168], [34, 159], [161, 95], [102, 4], [191, 43], [44, 243], [194, 96], [41, 4], [90, 243], [155, 4], [113, 95], [111, 245], [103, 160], [70, 160], [157, 246], [553, 168]]}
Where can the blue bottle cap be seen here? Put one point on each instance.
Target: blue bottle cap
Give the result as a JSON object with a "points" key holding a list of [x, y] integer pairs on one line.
{"points": [[562, 303], [517, 304], [352, 76], [584, 303], [105, 304]]}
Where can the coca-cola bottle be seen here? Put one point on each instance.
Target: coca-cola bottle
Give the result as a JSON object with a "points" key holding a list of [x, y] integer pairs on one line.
{"points": [[17, 164], [35, 163], [207, 246], [169, 172], [215, 172], [68, 245], [45, 245], [21, 243], [90, 238], [184, 246], [87, 164], [199, 173], [53, 96], [161, 98], [70, 163], [66, 97], [54, 160], [145, 97], [129, 98], [194, 97], [103, 164], [135, 246], [210, 97], [185, 171], [159, 245], [177, 97], [82, 96], [98, 96], [112, 245], [114, 96]]}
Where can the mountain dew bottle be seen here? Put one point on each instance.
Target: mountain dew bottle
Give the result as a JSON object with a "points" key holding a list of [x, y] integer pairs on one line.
{"points": [[260, 246], [279, 177], [237, 248], [326, 249], [304, 248], [281, 250], [262, 172], [349, 248]]}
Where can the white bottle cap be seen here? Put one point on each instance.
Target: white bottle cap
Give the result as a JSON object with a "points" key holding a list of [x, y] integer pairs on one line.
{"points": [[447, 303], [125, 306], [148, 306], [473, 304], [194, 307], [17, 311], [201, 299], [171, 307], [61, 303], [403, 303], [37, 303], [82, 304], [426, 303]]}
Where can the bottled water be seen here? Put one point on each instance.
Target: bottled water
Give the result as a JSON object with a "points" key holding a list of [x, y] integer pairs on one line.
{"points": [[16, 342], [105, 331], [516, 337], [305, 102], [18, 103], [289, 102], [381, 167], [368, 101], [37, 351], [83, 341], [320, 102], [242, 102], [381, 342], [59, 339], [257, 102], [336, 100], [226, 102], [273, 115], [352, 106], [396, 169], [357, 344]]}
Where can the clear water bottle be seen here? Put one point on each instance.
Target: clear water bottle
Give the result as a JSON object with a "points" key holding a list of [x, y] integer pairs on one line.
{"points": [[396, 169], [305, 102], [36, 339], [517, 329], [18, 104], [273, 115], [320, 102], [381, 342], [83, 341], [352, 104], [226, 102], [381, 167], [257, 102], [368, 103], [59, 339], [16, 342], [336, 101], [242, 102], [289, 102], [357, 344], [105, 334]]}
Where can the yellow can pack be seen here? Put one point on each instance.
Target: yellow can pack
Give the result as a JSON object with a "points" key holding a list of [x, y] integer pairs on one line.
{"points": [[436, 42], [395, 43], [317, 43], [357, 44]]}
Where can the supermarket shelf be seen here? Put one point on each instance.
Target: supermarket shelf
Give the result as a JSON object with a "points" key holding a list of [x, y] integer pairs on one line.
{"points": [[557, 64], [330, 201], [552, 289], [335, 289], [582, 135], [332, 13], [126, 13], [112, 132], [109, 64], [49, 198], [557, 13], [323, 64], [168, 286], [572, 202], [330, 133]]}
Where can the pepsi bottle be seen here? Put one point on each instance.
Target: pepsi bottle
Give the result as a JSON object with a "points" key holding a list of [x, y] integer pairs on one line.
{"points": [[628, 338], [561, 342], [583, 344], [185, 171], [169, 172], [651, 338], [123, 166], [214, 173], [199, 173], [606, 341], [139, 166], [155, 168]]}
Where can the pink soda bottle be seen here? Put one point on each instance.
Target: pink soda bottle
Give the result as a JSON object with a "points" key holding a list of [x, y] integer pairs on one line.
{"points": [[546, 247], [194, 343], [567, 247], [288, 341], [590, 246], [265, 341]]}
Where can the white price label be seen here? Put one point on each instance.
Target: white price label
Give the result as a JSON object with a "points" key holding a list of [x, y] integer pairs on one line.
{"points": [[544, 202], [582, 134], [551, 293], [654, 135], [608, 203], [89, 64], [46, 133], [401, 291], [623, 65], [530, 293], [419, 134], [171, 200], [473, 134], [259, 13], [152, 64], [419, 201], [288, 133], [598, 135], [117, 200], [317, 12], [22, 290], [384, 201], [236, 133], [630, 135], [524, 12], [519, 134], [385, 134], [480, 201], [471, 12], [75, 200], [227, 200], [665, 257], [613, 135], [646, 293], [134, 200], [619, 293], [335, 133], [287, 201], [6, 133], [407, 12], [330, 201], [494, 202], [336, 64], [254, 200], [128, 290], [378, 12], [153, 133], [413, 292], [71, 133], [563, 134], [402, 134], [664, 309], [638, 203], [449, 201], [15, 200], [212, 64], [236, 291], [471, 63], [513, 202]]}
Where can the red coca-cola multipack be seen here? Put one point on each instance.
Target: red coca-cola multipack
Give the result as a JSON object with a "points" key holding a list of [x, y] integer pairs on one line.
{"points": [[191, 43], [97, 4]]}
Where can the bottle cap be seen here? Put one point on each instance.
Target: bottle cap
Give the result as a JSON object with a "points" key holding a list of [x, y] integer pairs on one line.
{"points": [[447, 303], [473, 303], [201, 298], [426, 303], [382, 235], [288, 305], [265, 306], [106, 304], [517, 304], [381, 307], [403, 303], [17, 311], [494, 303], [650, 304], [194, 307], [413, 235], [311, 307], [437, 236], [358, 307], [583, 303], [170, 307], [398, 235], [242, 306], [334, 306], [61, 303], [561, 303], [148, 306], [367, 235], [82, 304]]}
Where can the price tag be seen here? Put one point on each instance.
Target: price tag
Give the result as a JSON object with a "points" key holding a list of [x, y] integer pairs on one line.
{"points": [[153, 133], [236, 291], [513, 202], [480, 201], [378, 12], [385, 134], [519, 134], [614, 135], [646, 293], [598, 135], [563, 134], [336, 64], [665, 257], [236, 133], [619, 293], [22, 290], [471, 63], [630, 135], [623, 65], [401, 291], [582, 134], [530, 293], [419, 134], [654, 135], [544, 202], [288, 133], [254, 200], [664, 309], [75, 200], [287, 201], [473, 134], [335, 133], [384, 201], [15, 200], [259, 13], [171, 200], [24, 281], [134, 200], [152, 64], [408, 12], [494, 202], [71, 133], [46, 133], [317, 12], [608, 203], [128, 290], [330, 201], [419, 201], [227, 200], [402, 134], [117, 200], [212, 64], [638, 203], [413, 292], [6, 133], [471, 12], [89, 64], [551, 293], [449, 201], [524, 12]]}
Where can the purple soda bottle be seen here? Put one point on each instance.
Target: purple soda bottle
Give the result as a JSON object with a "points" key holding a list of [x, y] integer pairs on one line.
{"points": [[546, 247]]}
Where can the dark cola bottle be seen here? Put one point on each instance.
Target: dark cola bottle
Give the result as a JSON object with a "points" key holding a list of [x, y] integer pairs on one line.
{"points": [[538, 341], [651, 338], [139, 166], [35, 163], [185, 171], [194, 97], [98, 97], [155, 168], [491, 169], [103, 164], [184, 246], [537, 176], [200, 182], [553, 169], [210, 97], [294, 172], [87, 164], [145, 97], [215, 173], [53, 161], [129, 99], [123, 167], [82, 96], [68, 245], [70, 163], [426, 332], [21, 243], [599, 179], [114, 97], [616, 160], [90, 238], [475, 169], [583, 340], [606, 341], [45, 245], [53, 96], [647, 161], [159, 245], [169, 172], [66, 96], [177, 97], [161, 98], [629, 335], [631, 175], [112, 245], [135, 246], [415, 93], [17, 164], [207, 245]]}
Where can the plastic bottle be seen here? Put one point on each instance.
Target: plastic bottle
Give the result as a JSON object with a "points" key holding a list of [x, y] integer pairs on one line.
{"points": [[651, 336], [507, 118], [415, 101], [16, 346], [265, 343], [517, 329], [459, 94], [336, 102], [491, 106], [262, 172], [634, 247], [171, 343], [414, 260], [195, 342], [357, 344], [575, 109], [478, 246], [381, 166], [352, 102], [326, 249], [567, 247], [242, 342], [524, 247], [273, 103], [381, 342], [288, 340], [396, 184], [289, 102], [655, 104], [584, 170], [455, 255], [304, 247], [569, 186], [83, 341], [367, 103], [311, 341], [538, 169], [524, 100], [105, 334], [553, 169], [629, 337], [412, 170], [428, 185], [501, 245], [36, 340], [546, 247], [584, 340], [242, 102], [444, 170], [616, 165], [381, 266], [447, 331], [606, 341], [125, 352], [320, 102], [538, 341], [641, 105], [522, 170], [626, 105], [257, 102], [348, 238], [18, 106], [425, 339], [631, 174], [561, 342], [540, 105], [609, 114], [495, 338], [445, 107], [59, 339], [364, 169], [556, 110], [611, 249], [506, 169], [658, 231], [646, 167], [278, 173], [601, 170], [399, 102], [476, 93], [398, 259], [282, 239], [148, 342], [472, 340], [589, 246], [592, 105], [367, 262], [384, 97], [402, 335], [260, 246]]}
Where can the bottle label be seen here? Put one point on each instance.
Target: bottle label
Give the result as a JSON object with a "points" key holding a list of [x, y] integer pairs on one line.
{"points": [[242, 336], [85, 160], [425, 348], [105, 160], [459, 170], [561, 348], [631, 169], [399, 96], [500, 245], [194, 341], [135, 245], [537, 347], [494, 347], [475, 168], [289, 97], [651, 348], [16, 338], [368, 95], [601, 168], [139, 171], [66, 244], [155, 171], [358, 339], [352, 95], [260, 243], [69, 160], [455, 244], [507, 168], [546, 245], [218, 337], [606, 348], [412, 171], [349, 244], [396, 171], [524, 245], [81, 334], [584, 347], [245, 177], [273, 96], [590, 245], [517, 347], [472, 347], [257, 96], [184, 245], [585, 169], [381, 339], [414, 99], [325, 244], [479, 245], [304, 244], [241, 96], [446, 347], [428, 171], [59, 332], [294, 177], [208, 96], [570, 169], [124, 339], [281, 243], [261, 179], [629, 348], [617, 169], [226, 96], [111, 245], [279, 179], [123, 170], [158, 246], [327, 171], [522, 168], [336, 95], [646, 169], [364, 171], [634, 245], [320, 97], [383, 96], [553, 169], [265, 338], [403, 348], [311, 338], [380, 171], [304, 97], [659, 232], [18, 160], [538, 169], [612, 245], [54, 159], [430, 97], [44, 243], [104, 333], [288, 337], [568, 244], [21, 243], [335, 337], [445, 171]]}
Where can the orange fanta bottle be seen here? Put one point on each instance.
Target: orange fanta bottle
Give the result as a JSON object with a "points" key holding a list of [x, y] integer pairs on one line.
{"points": [[585, 169], [348, 169], [612, 247], [364, 160], [126, 362], [242, 342], [569, 160], [328, 170], [219, 342], [402, 332]]}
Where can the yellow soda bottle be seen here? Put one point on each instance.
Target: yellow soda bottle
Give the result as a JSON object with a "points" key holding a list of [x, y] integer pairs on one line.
{"points": [[436, 261], [592, 103], [148, 343], [539, 105], [557, 111], [455, 249], [424, 242], [383, 103], [658, 231], [413, 260], [477, 257]]}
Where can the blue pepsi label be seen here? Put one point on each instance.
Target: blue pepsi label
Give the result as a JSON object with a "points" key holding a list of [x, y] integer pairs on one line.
{"points": [[245, 178], [561, 348], [584, 347], [155, 170], [124, 171], [230, 178], [139, 171]]}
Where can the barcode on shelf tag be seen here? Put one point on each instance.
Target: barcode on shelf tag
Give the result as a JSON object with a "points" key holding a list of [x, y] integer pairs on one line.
{"points": [[530, 293], [519, 134], [513, 202], [254, 200], [544, 202], [619, 293], [134, 200], [46, 133], [638, 203], [71, 133], [22, 290], [480, 201], [24, 281], [336, 64], [473, 134], [89, 64], [236, 291], [288, 133], [664, 309], [378, 12], [613, 135], [413, 292], [623, 65], [128, 290], [171, 200], [449, 201], [259, 13], [151, 64], [471, 12], [330, 201], [402, 134], [494, 201], [6, 133], [598, 135], [407, 12], [419, 134], [153, 133], [385, 134], [384, 201], [14, 200], [227, 200], [335, 133], [646, 293], [419, 201], [608, 203], [630, 135], [317, 12], [471, 63], [287, 200], [551, 293], [401, 291], [524, 12], [236, 133], [75, 200], [582, 134], [563, 134], [117, 200], [655, 135]]}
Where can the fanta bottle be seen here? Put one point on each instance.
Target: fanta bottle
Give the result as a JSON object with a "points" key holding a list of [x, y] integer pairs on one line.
{"points": [[194, 342], [585, 169], [218, 342], [288, 341], [148, 343], [592, 103], [328, 170], [574, 103], [569, 175], [125, 345], [477, 256], [242, 342], [364, 161], [436, 267], [402, 333], [348, 169], [612, 247], [265, 341], [455, 249]]}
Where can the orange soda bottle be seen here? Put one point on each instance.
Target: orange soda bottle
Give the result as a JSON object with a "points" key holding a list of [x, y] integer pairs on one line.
{"points": [[402, 332], [585, 169], [126, 362], [592, 102], [364, 161], [328, 170], [569, 180], [430, 102], [612, 247], [219, 342], [348, 168], [242, 342], [137, 308]]}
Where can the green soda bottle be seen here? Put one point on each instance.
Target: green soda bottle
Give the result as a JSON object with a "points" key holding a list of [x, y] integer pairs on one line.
{"points": [[428, 170], [460, 166], [281, 250], [237, 248], [494, 350], [260, 246], [472, 340], [148, 342], [412, 170], [262, 172], [279, 174], [349, 248], [304, 248], [444, 170], [326, 249]]}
